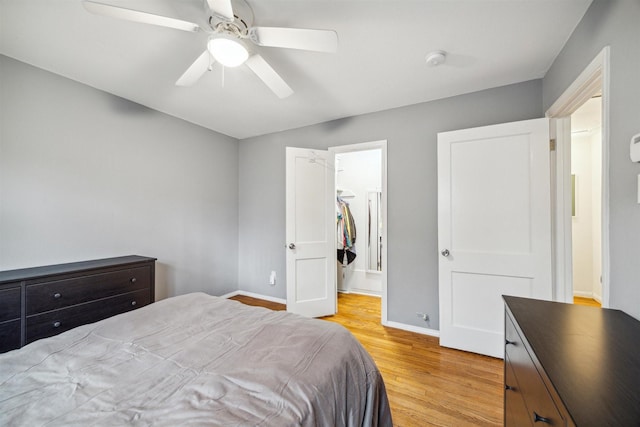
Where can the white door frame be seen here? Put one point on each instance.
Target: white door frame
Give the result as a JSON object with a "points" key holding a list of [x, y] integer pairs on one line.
{"points": [[594, 77], [382, 146]]}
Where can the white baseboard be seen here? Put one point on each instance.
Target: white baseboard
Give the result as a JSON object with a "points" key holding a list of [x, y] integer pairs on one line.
{"points": [[591, 295], [230, 294], [411, 328], [254, 295], [358, 292], [583, 294]]}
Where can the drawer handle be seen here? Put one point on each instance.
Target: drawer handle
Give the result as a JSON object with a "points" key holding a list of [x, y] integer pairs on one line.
{"points": [[56, 295], [508, 387], [134, 280], [133, 303], [507, 342], [56, 324], [537, 418]]}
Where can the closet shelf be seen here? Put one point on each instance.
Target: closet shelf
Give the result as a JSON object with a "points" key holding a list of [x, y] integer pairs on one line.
{"points": [[345, 193]]}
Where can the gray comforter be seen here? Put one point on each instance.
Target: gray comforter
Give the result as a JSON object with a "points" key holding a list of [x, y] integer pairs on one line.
{"points": [[195, 360]]}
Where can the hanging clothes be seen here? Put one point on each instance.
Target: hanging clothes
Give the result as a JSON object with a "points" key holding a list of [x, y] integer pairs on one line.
{"points": [[346, 232]]}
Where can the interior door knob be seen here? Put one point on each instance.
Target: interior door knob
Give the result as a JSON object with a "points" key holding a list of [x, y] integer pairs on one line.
{"points": [[445, 252], [292, 246]]}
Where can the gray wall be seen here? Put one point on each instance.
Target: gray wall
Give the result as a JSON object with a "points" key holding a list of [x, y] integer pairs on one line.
{"points": [[613, 23], [85, 174], [412, 189]]}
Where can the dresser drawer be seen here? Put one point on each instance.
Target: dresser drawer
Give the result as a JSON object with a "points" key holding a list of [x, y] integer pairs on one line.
{"points": [[516, 413], [538, 401], [64, 293], [9, 335], [57, 321], [10, 303]]}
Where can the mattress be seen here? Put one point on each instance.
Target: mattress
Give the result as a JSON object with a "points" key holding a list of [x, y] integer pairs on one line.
{"points": [[195, 359]]}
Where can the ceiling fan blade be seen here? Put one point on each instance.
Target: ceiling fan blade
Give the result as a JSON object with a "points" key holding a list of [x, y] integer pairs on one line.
{"points": [[137, 16], [268, 75], [196, 70], [295, 38], [222, 9]]}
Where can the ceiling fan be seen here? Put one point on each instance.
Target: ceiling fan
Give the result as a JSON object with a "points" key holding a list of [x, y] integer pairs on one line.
{"points": [[230, 25]]}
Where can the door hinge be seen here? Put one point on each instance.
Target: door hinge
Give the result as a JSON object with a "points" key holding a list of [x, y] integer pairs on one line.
{"points": [[552, 145]]}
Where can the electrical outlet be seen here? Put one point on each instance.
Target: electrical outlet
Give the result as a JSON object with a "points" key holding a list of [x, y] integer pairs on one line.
{"points": [[272, 278], [423, 316]]}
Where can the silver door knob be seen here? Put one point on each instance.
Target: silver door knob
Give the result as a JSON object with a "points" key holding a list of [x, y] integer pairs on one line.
{"points": [[292, 246], [445, 252]]}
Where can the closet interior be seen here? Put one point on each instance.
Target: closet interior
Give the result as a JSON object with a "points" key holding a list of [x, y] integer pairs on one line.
{"points": [[359, 221]]}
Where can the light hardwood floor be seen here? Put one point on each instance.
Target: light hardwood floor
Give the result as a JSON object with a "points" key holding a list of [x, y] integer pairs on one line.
{"points": [[427, 385], [586, 301]]}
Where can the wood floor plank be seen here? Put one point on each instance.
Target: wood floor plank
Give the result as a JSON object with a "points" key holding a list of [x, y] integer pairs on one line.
{"points": [[586, 301], [427, 385]]}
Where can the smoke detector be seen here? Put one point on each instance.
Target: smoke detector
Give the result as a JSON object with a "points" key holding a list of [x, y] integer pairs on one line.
{"points": [[436, 58]]}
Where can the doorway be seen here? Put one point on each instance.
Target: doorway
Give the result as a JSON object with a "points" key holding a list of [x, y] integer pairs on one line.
{"points": [[592, 82], [586, 206], [361, 183]]}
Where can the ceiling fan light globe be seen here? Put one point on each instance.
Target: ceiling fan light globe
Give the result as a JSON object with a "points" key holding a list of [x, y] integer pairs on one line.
{"points": [[228, 52]]}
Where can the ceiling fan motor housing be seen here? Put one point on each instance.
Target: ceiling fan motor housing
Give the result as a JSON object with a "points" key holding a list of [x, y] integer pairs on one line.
{"points": [[243, 20]]}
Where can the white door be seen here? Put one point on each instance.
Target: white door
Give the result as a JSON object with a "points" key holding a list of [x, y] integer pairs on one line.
{"points": [[311, 233], [494, 228]]}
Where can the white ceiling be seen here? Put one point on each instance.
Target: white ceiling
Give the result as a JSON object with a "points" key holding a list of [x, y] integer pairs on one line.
{"points": [[380, 63]]}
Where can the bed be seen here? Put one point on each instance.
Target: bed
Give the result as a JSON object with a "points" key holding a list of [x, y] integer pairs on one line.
{"points": [[195, 359]]}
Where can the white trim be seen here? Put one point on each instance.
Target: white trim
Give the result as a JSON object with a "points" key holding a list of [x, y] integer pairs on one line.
{"points": [[361, 146], [606, 78], [254, 295], [583, 88], [230, 294], [360, 292], [411, 328], [583, 294], [382, 146], [595, 76], [591, 295], [563, 273]]}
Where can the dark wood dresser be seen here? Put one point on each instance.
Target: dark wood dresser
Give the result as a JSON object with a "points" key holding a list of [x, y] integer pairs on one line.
{"points": [[570, 365], [41, 302]]}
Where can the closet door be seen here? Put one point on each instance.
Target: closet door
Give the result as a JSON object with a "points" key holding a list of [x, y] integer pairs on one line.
{"points": [[310, 232]]}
